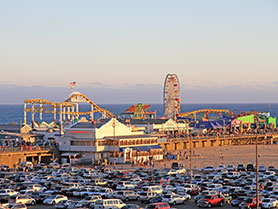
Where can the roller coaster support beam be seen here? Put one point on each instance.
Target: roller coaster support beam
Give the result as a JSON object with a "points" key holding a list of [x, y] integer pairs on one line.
{"points": [[68, 114], [61, 119], [55, 111], [77, 110], [40, 112], [72, 110], [25, 113], [92, 114], [33, 115]]}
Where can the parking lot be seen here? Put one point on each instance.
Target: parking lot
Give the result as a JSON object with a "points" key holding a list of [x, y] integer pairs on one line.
{"points": [[65, 186], [188, 205]]}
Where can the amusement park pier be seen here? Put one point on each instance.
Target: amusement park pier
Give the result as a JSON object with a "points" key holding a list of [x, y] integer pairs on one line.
{"points": [[135, 136]]}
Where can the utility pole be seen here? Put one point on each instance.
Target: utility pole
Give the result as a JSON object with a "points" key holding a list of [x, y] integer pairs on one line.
{"points": [[190, 161], [257, 169]]}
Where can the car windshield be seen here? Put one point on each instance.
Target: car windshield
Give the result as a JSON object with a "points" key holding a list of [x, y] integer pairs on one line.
{"points": [[150, 206], [167, 196], [248, 200], [266, 200], [52, 197]]}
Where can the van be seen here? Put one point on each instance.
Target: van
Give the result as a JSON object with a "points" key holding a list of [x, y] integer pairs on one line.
{"points": [[161, 205], [25, 165], [156, 189], [146, 196], [109, 204]]}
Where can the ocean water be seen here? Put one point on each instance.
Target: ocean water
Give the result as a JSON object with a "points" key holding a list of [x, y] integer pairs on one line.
{"points": [[14, 113]]}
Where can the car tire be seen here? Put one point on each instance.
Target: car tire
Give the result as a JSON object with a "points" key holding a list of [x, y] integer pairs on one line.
{"points": [[174, 203], [209, 205], [53, 203], [33, 203], [184, 202], [221, 204], [126, 199]]}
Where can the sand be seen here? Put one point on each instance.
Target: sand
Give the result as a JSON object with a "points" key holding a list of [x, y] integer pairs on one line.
{"points": [[245, 154]]}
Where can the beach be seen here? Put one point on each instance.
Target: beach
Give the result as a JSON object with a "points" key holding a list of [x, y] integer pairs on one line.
{"points": [[214, 156]]}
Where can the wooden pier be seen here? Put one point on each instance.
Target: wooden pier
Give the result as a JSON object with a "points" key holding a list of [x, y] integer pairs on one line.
{"points": [[182, 143], [13, 158]]}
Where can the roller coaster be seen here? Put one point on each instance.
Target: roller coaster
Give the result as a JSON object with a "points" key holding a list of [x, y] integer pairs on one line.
{"points": [[206, 112], [69, 108]]}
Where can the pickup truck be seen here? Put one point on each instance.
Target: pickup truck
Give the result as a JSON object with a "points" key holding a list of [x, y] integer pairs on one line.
{"points": [[211, 200]]}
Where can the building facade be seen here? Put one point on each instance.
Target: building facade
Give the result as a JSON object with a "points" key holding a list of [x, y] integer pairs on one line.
{"points": [[111, 140]]}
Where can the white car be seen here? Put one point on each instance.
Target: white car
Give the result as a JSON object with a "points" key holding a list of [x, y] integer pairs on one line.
{"points": [[208, 169], [54, 199], [25, 199], [9, 192], [181, 170], [38, 188], [231, 167], [269, 203], [125, 185], [174, 199], [221, 168]]}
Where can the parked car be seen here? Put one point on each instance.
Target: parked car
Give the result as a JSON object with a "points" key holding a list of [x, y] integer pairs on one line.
{"points": [[54, 199], [269, 203], [161, 205], [240, 167], [174, 199], [25, 199], [109, 204], [211, 200], [127, 195]]}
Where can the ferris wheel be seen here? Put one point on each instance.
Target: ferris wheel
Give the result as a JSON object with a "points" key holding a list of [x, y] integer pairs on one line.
{"points": [[171, 96]]}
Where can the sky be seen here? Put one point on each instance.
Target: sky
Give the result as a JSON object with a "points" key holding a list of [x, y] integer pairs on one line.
{"points": [[121, 51]]}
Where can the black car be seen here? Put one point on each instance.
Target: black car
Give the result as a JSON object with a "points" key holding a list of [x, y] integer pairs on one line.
{"points": [[155, 199], [237, 201], [240, 167], [250, 167]]}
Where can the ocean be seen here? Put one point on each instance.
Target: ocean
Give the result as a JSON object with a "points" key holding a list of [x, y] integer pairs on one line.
{"points": [[14, 113]]}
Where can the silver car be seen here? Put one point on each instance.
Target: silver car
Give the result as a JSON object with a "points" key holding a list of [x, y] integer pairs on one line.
{"points": [[174, 199]]}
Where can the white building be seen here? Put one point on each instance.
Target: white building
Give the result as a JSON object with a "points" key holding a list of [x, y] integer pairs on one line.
{"points": [[111, 140]]}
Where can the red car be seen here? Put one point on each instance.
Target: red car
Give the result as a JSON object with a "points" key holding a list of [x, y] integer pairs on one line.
{"points": [[211, 200]]}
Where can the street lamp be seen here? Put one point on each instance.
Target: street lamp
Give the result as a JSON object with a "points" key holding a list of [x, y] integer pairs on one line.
{"points": [[257, 169]]}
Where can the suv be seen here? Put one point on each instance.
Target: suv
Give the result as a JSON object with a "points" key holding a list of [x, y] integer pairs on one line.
{"points": [[126, 195], [176, 165], [162, 205], [250, 167], [240, 167], [145, 196], [211, 200]]}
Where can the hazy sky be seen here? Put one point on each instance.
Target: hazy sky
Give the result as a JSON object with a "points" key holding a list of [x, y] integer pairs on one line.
{"points": [[120, 51]]}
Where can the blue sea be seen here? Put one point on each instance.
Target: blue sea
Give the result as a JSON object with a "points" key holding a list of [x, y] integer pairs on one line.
{"points": [[14, 113]]}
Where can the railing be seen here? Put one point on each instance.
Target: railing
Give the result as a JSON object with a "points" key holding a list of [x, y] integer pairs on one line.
{"points": [[230, 136], [22, 149]]}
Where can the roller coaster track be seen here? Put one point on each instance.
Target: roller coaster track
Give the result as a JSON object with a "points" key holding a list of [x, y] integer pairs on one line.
{"points": [[73, 99], [83, 98], [186, 114], [46, 102]]}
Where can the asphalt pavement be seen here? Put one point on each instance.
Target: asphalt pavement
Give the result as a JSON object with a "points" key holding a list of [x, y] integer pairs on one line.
{"points": [[189, 205]]}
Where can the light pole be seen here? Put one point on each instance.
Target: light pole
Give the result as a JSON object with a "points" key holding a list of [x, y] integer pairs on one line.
{"points": [[257, 169], [190, 161], [190, 149]]}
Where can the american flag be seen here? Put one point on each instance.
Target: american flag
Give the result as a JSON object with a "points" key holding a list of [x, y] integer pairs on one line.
{"points": [[72, 84]]}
